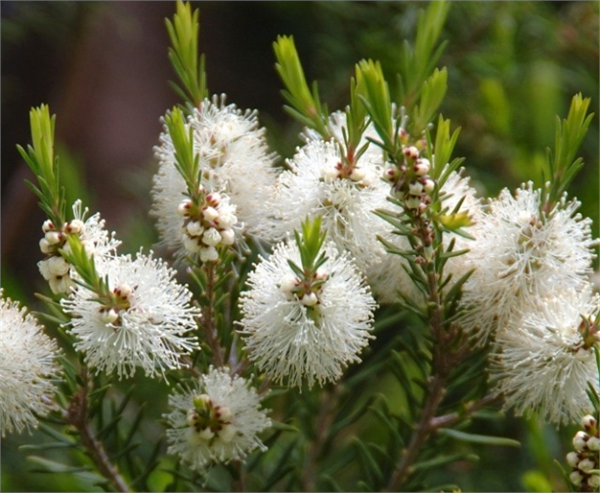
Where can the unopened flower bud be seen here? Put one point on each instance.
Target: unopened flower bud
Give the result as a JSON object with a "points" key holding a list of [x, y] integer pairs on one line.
{"points": [[206, 434], [75, 226], [226, 220], [58, 266], [227, 433], [48, 226], [594, 482], [214, 198], [576, 478], [593, 444], [422, 166], [53, 237], [588, 422], [210, 213], [109, 316], [123, 291], [411, 152], [573, 459], [357, 174], [184, 207], [45, 246], [428, 185], [415, 188], [209, 254], [227, 237], [412, 202], [579, 440], [211, 237], [329, 174], [309, 299], [191, 244], [194, 228], [61, 284], [586, 465], [288, 284]]}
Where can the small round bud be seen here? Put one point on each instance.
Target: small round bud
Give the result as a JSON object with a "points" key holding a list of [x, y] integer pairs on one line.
{"points": [[210, 213], [209, 254], [226, 220], [194, 228], [358, 174], [48, 226], [227, 433], [415, 188], [428, 185], [206, 434], [412, 202], [53, 237], [61, 284], [123, 291], [593, 444], [576, 478], [411, 152], [288, 284], [45, 246], [579, 440], [214, 199], [573, 459], [329, 174], [225, 414], [75, 226], [594, 482], [58, 266], [310, 299], [422, 166], [183, 209], [211, 237], [109, 316], [227, 237], [586, 465], [588, 422], [191, 244]]}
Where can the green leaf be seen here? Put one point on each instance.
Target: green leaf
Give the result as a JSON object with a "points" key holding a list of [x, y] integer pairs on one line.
{"points": [[183, 54], [482, 439], [305, 104]]}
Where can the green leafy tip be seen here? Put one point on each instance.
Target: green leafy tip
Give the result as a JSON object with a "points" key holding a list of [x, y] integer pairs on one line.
{"points": [[305, 105], [187, 161], [183, 54]]}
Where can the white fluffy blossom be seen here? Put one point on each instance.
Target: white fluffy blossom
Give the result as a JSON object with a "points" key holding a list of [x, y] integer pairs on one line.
{"points": [[27, 368], [233, 159], [147, 324], [521, 254], [313, 186], [217, 420], [311, 335], [97, 242], [389, 277], [544, 359]]}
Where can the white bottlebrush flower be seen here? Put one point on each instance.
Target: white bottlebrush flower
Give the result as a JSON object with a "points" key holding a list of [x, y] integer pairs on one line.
{"points": [[544, 360], [97, 242], [521, 254], [27, 368], [148, 325], [313, 187], [390, 277], [296, 337], [234, 159], [216, 421]]}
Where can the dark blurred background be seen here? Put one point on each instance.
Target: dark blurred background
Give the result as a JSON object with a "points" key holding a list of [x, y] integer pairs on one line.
{"points": [[103, 69]]}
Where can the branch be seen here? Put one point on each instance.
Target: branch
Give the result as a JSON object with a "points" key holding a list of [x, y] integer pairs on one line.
{"points": [[77, 416]]}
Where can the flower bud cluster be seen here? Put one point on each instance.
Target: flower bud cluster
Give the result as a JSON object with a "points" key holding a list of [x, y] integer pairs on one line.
{"points": [[207, 225], [209, 421], [348, 171], [410, 178], [120, 297], [584, 459], [54, 268], [305, 290]]}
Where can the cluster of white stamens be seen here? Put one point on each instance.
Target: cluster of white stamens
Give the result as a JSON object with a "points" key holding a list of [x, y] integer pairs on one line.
{"points": [[207, 226]]}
